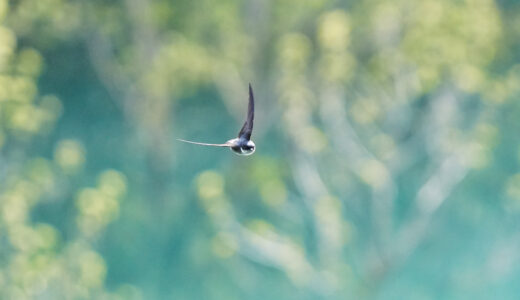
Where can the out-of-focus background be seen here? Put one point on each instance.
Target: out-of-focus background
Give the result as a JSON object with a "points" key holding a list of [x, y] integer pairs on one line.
{"points": [[387, 162]]}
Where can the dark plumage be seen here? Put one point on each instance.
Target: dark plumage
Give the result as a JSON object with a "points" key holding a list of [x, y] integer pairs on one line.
{"points": [[242, 145]]}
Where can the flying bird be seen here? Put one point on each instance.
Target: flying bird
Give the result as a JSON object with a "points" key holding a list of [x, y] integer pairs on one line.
{"points": [[242, 145]]}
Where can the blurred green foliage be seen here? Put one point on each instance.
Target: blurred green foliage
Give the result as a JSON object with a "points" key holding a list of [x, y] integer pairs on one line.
{"points": [[387, 164]]}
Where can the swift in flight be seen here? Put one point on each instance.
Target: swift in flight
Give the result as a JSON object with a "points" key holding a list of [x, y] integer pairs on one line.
{"points": [[242, 145]]}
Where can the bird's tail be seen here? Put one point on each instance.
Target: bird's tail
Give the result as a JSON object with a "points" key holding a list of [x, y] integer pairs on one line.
{"points": [[205, 144]]}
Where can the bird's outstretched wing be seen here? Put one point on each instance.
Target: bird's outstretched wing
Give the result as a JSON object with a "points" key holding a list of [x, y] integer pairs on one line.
{"points": [[205, 144], [247, 129]]}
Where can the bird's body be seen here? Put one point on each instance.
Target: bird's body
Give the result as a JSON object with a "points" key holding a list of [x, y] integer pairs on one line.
{"points": [[242, 145]]}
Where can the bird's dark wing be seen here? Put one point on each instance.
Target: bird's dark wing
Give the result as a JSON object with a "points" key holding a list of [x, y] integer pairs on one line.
{"points": [[205, 144], [247, 129]]}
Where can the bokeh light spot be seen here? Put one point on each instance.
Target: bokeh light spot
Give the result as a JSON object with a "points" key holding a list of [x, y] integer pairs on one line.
{"points": [[69, 155], [112, 183], [334, 30], [92, 269], [210, 184], [374, 173], [30, 62], [313, 139]]}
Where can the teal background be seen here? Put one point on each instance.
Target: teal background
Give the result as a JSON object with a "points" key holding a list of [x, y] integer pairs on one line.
{"points": [[387, 161]]}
